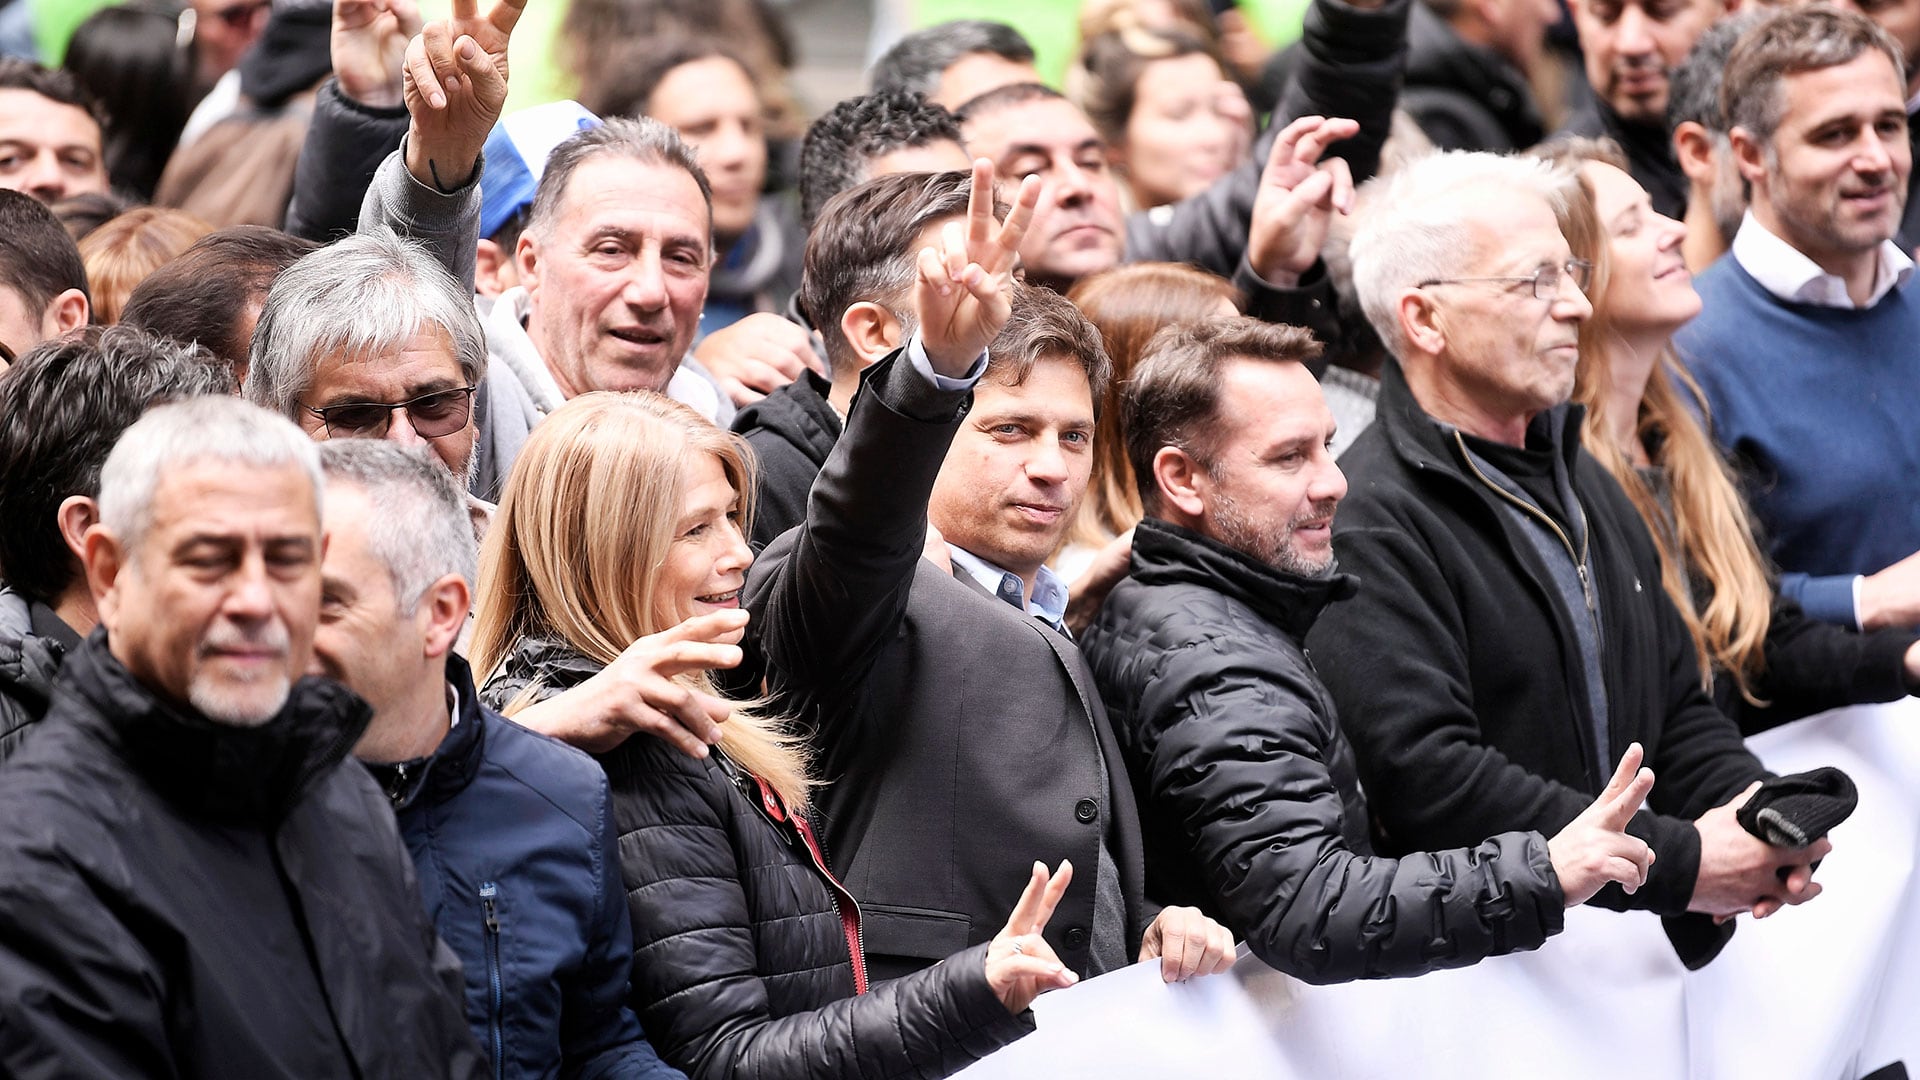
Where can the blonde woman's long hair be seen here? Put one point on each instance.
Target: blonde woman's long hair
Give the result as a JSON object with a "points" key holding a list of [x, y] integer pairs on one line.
{"points": [[1709, 533], [1128, 305], [582, 531]]}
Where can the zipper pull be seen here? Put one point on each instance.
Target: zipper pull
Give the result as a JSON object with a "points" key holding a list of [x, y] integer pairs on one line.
{"points": [[1586, 587], [487, 893], [397, 787]]}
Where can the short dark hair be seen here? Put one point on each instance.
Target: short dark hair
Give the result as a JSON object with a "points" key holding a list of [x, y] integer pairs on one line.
{"points": [[1006, 97], [642, 139], [81, 214], [38, 259], [1694, 94], [839, 148], [54, 84], [1173, 398], [916, 62], [626, 85], [1046, 326], [62, 407], [862, 249], [201, 296], [1788, 42]]}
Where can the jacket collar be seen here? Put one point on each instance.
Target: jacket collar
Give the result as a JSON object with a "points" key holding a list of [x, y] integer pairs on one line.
{"points": [[1425, 443], [455, 762], [250, 775], [31, 649], [1167, 554]]}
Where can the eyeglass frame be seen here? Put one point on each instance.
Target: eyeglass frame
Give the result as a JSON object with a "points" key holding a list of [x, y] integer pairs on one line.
{"points": [[1580, 270], [406, 406]]}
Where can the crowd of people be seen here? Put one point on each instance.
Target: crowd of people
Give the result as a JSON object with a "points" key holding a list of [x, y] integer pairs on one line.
{"points": [[656, 586]]}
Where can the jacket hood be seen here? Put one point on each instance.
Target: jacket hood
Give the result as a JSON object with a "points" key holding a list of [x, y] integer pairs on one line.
{"points": [[292, 55], [1169, 554], [28, 662], [798, 413], [218, 770]]}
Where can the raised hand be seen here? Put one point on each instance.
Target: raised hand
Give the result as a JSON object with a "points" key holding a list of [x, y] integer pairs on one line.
{"points": [[962, 291], [757, 355], [1299, 195], [638, 693], [456, 85], [1594, 848], [369, 47], [1020, 964]]}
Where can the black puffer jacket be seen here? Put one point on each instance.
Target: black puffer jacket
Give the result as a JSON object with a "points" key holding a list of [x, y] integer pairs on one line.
{"points": [[741, 964], [180, 898], [28, 662], [1465, 96], [1249, 799]]}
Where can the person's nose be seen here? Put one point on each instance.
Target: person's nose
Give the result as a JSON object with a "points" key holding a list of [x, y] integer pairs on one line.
{"points": [[400, 429], [1671, 232], [729, 148], [1329, 484], [646, 285], [1873, 155], [1072, 185], [1047, 462], [249, 597], [1571, 303], [44, 179], [1633, 34], [737, 556]]}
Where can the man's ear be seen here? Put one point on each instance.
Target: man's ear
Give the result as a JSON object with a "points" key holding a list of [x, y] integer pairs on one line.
{"points": [[1749, 155], [1420, 321], [526, 257], [495, 270], [871, 330], [76, 515], [444, 610], [69, 311], [1178, 477], [1693, 148], [105, 560]]}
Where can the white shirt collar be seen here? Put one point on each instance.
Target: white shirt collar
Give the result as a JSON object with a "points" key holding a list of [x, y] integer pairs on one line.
{"points": [[1049, 592], [1782, 270]]}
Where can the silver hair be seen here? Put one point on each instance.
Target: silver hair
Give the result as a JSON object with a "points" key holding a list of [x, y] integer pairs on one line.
{"points": [[643, 139], [170, 437], [421, 531], [368, 294], [1413, 226]]}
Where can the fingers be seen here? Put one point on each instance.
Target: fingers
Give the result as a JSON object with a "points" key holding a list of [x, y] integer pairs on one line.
{"points": [[685, 657], [1050, 898], [505, 14], [716, 626], [954, 255], [1342, 194], [1006, 244], [1029, 902], [980, 218], [407, 14], [476, 65], [466, 9], [1623, 773], [1740, 800], [1285, 144], [1315, 142], [421, 70]]}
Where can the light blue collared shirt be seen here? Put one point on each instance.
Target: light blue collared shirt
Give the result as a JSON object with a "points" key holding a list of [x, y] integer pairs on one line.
{"points": [[1049, 601]]}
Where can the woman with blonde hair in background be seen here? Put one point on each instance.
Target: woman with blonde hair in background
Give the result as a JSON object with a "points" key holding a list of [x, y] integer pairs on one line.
{"points": [[621, 532], [1128, 305], [1764, 661], [122, 252]]}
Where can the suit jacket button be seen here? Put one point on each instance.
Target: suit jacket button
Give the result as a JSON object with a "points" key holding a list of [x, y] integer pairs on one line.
{"points": [[1086, 810], [1077, 938]]}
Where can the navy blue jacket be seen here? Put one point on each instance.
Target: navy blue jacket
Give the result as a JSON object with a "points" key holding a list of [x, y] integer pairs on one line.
{"points": [[512, 838]]}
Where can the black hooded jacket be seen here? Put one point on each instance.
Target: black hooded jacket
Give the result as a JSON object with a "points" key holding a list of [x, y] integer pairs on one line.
{"points": [[1250, 803], [33, 641], [182, 898], [791, 430]]}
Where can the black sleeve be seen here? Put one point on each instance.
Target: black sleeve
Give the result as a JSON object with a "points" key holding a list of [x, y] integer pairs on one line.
{"points": [[1240, 762], [1812, 666], [1352, 63], [346, 142], [696, 980]]}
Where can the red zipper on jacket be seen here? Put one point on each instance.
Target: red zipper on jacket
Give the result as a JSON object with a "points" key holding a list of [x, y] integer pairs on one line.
{"points": [[848, 907]]}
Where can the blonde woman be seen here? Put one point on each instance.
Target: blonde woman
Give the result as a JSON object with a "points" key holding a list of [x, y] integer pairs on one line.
{"points": [[623, 522], [1764, 661]]}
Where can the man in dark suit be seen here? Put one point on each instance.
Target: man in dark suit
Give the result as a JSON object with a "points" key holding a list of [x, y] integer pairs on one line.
{"points": [[956, 728]]}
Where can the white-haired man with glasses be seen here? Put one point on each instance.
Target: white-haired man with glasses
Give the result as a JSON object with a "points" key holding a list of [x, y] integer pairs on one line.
{"points": [[1512, 637]]}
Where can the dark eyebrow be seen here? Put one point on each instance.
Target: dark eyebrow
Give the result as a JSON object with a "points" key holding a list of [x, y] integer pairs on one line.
{"points": [[414, 390]]}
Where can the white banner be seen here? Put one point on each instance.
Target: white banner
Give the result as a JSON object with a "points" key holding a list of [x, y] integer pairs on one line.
{"points": [[1827, 990]]}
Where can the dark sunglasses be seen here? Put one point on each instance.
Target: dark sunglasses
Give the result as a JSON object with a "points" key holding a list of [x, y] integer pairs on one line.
{"points": [[433, 416]]}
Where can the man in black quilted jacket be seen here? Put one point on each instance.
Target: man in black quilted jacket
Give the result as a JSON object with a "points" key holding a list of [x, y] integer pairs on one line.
{"points": [[1250, 803]]}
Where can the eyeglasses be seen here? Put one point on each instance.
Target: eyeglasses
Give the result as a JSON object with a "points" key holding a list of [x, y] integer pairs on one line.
{"points": [[433, 416], [1546, 280]]}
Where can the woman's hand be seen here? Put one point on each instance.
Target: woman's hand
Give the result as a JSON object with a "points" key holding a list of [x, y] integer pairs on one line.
{"points": [[1020, 964], [638, 692]]}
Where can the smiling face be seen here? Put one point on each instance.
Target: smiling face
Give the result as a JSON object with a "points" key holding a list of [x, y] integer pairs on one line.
{"points": [[1632, 47], [1017, 468], [1271, 487], [1648, 287], [1833, 180], [1187, 128], [424, 365], [1080, 230], [617, 280], [1502, 354], [707, 560], [216, 606], [715, 107]]}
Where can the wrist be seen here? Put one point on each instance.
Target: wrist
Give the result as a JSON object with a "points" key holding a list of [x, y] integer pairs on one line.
{"points": [[381, 96], [444, 168]]}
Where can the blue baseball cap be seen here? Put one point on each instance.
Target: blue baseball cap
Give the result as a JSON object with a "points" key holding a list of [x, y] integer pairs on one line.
{"points": [[516, 154]]}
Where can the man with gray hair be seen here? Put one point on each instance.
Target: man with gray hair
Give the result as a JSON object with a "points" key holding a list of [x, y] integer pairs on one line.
{"points": [[194, 881], [1512, 638], [372, 338], [496, 817]]}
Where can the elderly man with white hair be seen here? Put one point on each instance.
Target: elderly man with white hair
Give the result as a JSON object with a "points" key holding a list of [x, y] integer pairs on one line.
{"points": [[1512, 637], [194, 880]]}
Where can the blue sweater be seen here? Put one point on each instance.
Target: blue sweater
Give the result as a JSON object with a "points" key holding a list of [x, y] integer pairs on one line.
{"points": [[1820, 410]]}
